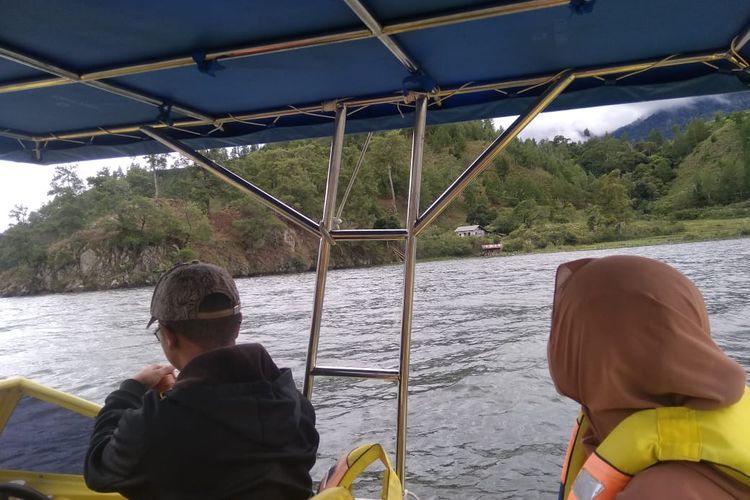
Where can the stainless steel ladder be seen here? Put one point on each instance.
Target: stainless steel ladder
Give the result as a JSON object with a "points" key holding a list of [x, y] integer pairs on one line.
{"points": [[400, 375]]}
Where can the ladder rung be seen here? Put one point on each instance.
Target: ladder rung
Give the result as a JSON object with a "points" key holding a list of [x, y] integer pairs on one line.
{"points": [[341, 371], [369, 234]]}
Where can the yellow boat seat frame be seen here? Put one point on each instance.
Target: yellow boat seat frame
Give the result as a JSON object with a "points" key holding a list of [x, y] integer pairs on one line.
{"points": [[337, 484], [57, 486]]}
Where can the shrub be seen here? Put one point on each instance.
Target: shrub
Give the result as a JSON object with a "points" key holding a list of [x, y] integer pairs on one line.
{"points": [[686, 214], [733, 212], [513, 245], [725, 213], [448, 245], [185, 254], [298, 264], [644, 229], [505, 222], [527, 239], [256, 225]]}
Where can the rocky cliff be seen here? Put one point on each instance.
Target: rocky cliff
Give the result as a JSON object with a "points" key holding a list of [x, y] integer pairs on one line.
{"points": [[94, 265]]}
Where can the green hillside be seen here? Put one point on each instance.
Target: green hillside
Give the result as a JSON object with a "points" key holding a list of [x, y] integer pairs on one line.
{"points": [[121, 228], [715, 172]]}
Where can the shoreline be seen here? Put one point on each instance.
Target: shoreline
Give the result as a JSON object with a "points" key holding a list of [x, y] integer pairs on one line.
{"points": [[639, 242]]}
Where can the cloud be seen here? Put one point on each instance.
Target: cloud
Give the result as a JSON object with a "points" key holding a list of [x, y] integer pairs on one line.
{"points": [[598, 121]]}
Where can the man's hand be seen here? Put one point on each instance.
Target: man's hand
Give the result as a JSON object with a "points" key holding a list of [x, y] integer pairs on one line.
{"points": [[158, 377]]}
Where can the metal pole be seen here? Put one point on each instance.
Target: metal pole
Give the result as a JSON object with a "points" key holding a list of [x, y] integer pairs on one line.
{"points": [[504, 9], [369, 234], [284, 45], [324, 248], [374, 26], [11, 134], [72, 77], [484, 160], [744, 37], [276, 205], [410, 259], [346, 371], [353, 177]]}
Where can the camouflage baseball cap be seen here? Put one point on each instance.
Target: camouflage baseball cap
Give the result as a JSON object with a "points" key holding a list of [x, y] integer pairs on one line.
{"points": [[179, 292]]}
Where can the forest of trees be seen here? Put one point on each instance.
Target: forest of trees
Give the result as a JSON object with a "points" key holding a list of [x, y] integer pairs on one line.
{"points": [[537, 194]]}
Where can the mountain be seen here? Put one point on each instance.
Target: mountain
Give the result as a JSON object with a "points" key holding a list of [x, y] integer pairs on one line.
{"points": [[666, 119]]}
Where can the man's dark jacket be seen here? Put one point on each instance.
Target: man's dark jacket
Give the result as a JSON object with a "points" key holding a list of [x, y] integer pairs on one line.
{"points": [[233, 426]]}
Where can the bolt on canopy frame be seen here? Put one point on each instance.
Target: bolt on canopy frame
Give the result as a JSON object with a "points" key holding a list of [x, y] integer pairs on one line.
{"points": [[29, 75]]}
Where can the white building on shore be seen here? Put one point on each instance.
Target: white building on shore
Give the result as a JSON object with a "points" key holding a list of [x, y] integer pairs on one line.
{"points": [[472, 231]]}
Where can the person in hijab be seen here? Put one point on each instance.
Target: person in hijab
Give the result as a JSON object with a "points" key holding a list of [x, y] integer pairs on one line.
{"points": [[664, 412]]}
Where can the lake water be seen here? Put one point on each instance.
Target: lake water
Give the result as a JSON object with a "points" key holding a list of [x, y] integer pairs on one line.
{"points": [[484, 418]]}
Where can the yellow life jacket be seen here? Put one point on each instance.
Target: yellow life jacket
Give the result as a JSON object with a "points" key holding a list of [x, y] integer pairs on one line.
{"points": [[719, 437], [337, 482]]}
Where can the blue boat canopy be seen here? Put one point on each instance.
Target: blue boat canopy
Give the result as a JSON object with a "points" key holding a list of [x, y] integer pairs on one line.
{"points": [[79, 79]]}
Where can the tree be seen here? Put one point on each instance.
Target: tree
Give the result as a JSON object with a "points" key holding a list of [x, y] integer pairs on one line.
{"points": [[389, 150], [662, 169], [256, 224], [67, 212], [477, 206], [526, 213], [480, 214], [139, 181], [683, 143], [188, 223], [156, 162], [504, 222], [65, 181], [19, 213], [387, 221], [700, 196], [107, 189], [612, 198], [525, 184], [655, 137], [139, 222], [731, 185], [601, 155], [19, 246]]}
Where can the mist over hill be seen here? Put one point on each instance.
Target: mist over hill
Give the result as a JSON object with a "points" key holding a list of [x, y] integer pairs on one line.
{"points": [[666, 120]]}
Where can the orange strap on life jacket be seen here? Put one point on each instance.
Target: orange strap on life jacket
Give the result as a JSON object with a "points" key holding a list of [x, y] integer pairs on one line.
{"points": [[587, 478], [575, 456], [335, 474], [598, 480]]}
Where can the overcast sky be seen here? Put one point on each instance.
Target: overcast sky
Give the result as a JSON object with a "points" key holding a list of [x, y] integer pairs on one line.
{"points": [[27, 184]]}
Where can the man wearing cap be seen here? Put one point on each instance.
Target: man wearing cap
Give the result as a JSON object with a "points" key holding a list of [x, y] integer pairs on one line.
{"points": [[232, 425]]}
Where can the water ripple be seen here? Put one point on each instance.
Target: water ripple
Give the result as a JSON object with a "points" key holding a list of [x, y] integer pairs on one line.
{"points": [[484, 419]]}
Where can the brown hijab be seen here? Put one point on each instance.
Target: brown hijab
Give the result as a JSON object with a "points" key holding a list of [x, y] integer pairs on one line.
{"points": [[630, 333]]}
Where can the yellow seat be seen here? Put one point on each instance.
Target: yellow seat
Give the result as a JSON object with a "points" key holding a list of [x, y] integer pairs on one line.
{"points": [[337, 483]]}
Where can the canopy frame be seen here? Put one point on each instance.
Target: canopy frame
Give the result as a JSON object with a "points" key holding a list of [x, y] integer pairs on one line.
{"points": [[69, 76], [374, 30], [436, 96]]}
